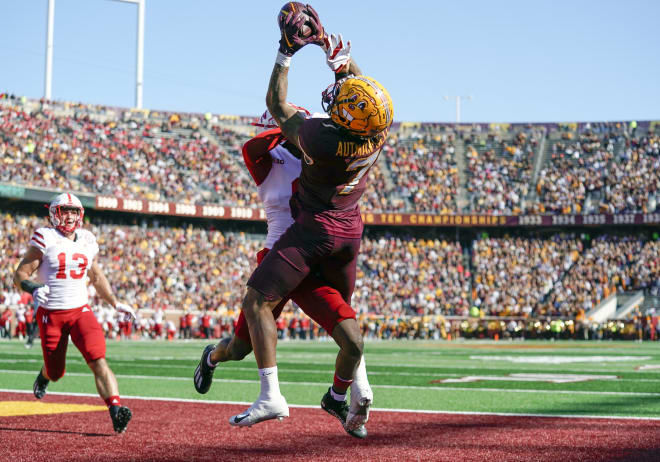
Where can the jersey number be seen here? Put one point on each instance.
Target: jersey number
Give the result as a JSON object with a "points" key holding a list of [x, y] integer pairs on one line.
{"points": [[61, 270], [362, 166]]}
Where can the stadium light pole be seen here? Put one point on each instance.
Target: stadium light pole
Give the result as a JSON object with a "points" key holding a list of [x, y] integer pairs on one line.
{"points": [[50, 22], [458, 104], [140, 50]]}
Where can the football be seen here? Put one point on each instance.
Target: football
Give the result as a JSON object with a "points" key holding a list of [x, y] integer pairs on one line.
{"points": [[305, 30], [298, 10]]}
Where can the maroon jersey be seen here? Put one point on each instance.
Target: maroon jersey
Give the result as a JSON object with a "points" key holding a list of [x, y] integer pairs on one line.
{"points": [[333, 178]]}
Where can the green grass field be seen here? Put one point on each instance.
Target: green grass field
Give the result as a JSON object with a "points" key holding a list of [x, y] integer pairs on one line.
{"points": [[616, 378]]}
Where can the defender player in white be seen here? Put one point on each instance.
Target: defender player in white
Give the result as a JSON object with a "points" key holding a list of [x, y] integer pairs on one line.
{"points": [[21, 326], [63, 256]]}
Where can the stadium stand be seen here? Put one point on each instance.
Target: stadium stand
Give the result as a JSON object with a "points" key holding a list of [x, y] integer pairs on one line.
{"points": [[501, 169], [424, 173], [411, 283], [401, 277]]}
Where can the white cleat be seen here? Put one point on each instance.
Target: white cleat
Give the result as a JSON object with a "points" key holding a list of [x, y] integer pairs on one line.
{"points": [[274, 408], [358, 412]]}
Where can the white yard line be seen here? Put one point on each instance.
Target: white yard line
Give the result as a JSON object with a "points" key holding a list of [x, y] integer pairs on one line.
{"points": [[303, 406], [394, 387], [503, 368]]}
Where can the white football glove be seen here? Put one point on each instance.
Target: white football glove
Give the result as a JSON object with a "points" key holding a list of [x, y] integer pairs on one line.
{"points": [[337, 52], [126, 311], [40, 296]]}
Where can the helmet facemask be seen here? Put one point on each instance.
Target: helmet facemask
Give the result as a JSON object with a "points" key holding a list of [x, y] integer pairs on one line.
{"points": [[58, 221], [58, 208]]}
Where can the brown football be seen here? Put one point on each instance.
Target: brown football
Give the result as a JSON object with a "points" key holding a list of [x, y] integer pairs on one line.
{"points": [[305, 31]]}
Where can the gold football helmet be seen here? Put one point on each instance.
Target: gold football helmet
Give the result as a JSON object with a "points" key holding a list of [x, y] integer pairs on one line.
{"points": [[359, 104]]}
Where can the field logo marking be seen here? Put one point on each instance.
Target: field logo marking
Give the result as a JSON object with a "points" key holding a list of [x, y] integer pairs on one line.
{"points": [[522, 377], [560, 359], [21, 408]]}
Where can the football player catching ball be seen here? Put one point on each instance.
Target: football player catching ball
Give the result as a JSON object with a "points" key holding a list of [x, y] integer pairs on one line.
{"points": [[326, 233]]}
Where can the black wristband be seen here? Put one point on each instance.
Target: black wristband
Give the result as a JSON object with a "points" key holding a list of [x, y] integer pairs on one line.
{"points": [[30, 286]]}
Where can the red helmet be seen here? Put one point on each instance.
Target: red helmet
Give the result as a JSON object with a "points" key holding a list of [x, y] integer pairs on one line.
{"points": [[64, 201]]}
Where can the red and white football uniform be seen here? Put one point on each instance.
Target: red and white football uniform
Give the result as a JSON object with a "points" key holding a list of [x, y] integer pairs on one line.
{"points": [[275, 192], [21, 326], [157, 319], [275, 170], [110, 322], [171, 329], [64, 266]]}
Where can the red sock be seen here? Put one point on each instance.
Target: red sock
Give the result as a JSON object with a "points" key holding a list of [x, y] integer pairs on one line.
{"points": [[112, 401], [340, 385]]}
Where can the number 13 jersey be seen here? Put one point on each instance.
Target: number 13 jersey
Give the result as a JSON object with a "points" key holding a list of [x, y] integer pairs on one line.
{"points": [[64, 266]]}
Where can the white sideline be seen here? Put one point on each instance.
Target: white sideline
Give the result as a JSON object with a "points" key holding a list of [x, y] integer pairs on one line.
{"points": [[306, 406], [395, 387]]}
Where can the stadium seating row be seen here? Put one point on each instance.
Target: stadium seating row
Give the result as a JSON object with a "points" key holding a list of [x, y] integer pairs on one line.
{"points": [[196, 269], [502, 169]]}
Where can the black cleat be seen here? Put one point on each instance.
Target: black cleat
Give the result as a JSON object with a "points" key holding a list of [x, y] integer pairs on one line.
{"points": [[203, 377], [120, 416], [340, 409], [40, 385], [360, 432]]}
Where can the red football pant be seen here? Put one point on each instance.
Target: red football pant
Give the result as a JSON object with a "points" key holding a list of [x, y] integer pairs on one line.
{"points": [[55, 326], [322, 303], [21, 329]]}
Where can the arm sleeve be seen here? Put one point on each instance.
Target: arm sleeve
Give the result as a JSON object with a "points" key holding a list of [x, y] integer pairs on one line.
{"points": [[95, 245], [38, 240], [256, 154]]}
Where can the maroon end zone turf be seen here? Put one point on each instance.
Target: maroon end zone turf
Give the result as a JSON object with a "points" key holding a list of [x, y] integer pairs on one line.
{"points": [[175, 431]]}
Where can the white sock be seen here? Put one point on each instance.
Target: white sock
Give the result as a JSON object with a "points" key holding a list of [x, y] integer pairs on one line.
{"points": [[270, 384], [337, 396], [360, 380]]}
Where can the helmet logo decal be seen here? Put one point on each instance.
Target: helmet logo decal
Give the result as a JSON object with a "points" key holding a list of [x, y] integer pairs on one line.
{"points": [[358, 104], [347, 115]]}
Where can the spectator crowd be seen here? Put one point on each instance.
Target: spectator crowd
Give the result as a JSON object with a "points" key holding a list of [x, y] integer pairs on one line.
{"points": [[192, 271], [501, 169], [194, 276]]}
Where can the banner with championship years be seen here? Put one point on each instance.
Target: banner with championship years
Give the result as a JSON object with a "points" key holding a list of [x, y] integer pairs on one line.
{"points": [[376, 219], [222, 212]]}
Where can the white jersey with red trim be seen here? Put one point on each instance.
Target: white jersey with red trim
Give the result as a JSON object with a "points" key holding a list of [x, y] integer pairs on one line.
{"points": [[158, 316], [20, 314], [275, 192], [64, 266]]}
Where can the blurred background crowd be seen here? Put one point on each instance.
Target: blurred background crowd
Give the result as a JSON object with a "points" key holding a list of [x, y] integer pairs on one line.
{"points": [[410, 283], [500, 169], [189, 269]]}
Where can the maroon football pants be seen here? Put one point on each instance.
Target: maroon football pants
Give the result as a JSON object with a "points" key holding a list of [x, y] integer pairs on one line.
{"points": [[322, 303]]}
